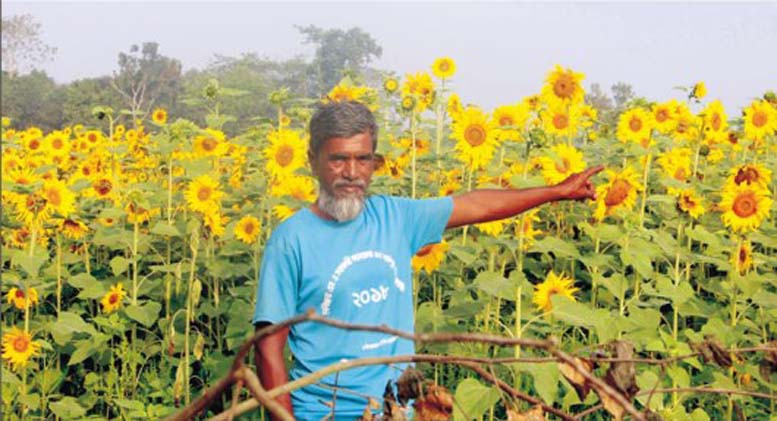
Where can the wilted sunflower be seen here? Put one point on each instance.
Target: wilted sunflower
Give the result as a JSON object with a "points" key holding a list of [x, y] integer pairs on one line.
{"points": [[210, 143], [744, 207], [18, 348], [247, 229], [563, 86], [159, 116], [620, 192], [285, 152], [755, 175], [564, 161], [21, 298], [742, 257], [71, 228], [525, 222], [112, 300], [699, 90], [430, 257], [760, 120], [634, 125], [691, 203], [553, 284], [203, 195], [664, 116], [560, 120], [715, 124], [139, 214], [444, 67], [454, 106], [475, 138], [509, 120]]}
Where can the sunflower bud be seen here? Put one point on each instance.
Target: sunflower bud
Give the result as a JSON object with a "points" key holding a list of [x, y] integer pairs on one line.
{"points": [[199, 347], [195, 292]]}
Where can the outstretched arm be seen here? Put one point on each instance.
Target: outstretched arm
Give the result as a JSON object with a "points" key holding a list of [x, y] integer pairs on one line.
{"points": [[492, 204]]}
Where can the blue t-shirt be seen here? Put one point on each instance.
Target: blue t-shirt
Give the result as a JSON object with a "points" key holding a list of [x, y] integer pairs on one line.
{"points": [[358, 272]]}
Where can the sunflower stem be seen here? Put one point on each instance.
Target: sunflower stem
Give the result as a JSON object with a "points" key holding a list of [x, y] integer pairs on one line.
{"points": [[644, 189], [469, 188], [59, 275], [135, 240]]}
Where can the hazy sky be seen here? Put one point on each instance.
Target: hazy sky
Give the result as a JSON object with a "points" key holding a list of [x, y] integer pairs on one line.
{"points": [[503, 50]]}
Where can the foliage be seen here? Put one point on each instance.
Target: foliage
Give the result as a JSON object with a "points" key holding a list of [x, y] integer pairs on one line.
{"points": [[22, 46]]}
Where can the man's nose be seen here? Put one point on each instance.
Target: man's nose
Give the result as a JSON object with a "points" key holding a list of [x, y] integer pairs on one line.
{"points": [[351, 169]]}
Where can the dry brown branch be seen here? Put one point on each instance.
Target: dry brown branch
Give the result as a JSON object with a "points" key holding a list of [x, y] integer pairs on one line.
{"points": [[235, 396], [255, 386]]}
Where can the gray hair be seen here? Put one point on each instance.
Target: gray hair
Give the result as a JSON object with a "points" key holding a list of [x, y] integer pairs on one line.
{"points": [[341, 119]]}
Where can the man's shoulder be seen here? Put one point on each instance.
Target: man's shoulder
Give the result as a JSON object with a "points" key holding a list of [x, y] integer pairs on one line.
{"points": [[291, 227]]}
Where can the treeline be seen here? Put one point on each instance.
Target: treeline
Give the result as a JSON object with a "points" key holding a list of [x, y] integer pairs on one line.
{"points": [[146, 79]]}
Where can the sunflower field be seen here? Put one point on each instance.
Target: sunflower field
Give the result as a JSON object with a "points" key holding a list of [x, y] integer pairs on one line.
{"points": [[131, 250]]}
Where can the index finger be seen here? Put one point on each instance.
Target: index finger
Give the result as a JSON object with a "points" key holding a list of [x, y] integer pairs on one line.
{"points": [[590, 172]]}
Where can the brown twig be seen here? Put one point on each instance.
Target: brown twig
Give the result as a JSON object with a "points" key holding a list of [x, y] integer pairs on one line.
{"points": [[255, 386], [235, 397]]}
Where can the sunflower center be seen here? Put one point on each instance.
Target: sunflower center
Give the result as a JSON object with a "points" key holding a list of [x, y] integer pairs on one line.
{"points": [[475, 135], [662, 115], [759, 119], [57, 143], [716, 122], [679, 174], [203, 193], [560, 121], [506, 121], [635, 124], [113, 298], [53, 196], [34, 144], [209, 144], [69, 223], [688, 202], [249, 228], [617, 193], [746, 174], [444, 66], [742, 255], [424, 250], [564, 87], [19, 293], [21, 343], [91, 137], [732, 138], [35, 203], [563, 166], [682, 126], [102, 186], [284, 156], [745, 205]]}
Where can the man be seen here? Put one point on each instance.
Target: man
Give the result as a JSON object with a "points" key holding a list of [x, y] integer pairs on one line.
{"points": [[348, 257]]}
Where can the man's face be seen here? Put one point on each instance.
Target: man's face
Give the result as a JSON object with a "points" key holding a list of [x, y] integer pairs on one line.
{"points": [[344, 168]]}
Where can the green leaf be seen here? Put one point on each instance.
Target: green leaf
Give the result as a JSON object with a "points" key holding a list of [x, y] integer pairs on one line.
{"points": [[679, 375], [557, 246], [84, 350], [162, 228], [51, 379], [130, 404], [647, 380], [146, 314], [546, 378], [119, 264], [67, 324], [30, 264], [82, 280], [68, 408], [698, 414], [638, 259], [699, 233], [616, 284], [495, 285], [572, 312], [465, 256], [679, 294], [473, 400]]}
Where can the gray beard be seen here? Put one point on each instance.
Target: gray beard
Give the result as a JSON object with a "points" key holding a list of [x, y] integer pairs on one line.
{"points": [[341, 209]]}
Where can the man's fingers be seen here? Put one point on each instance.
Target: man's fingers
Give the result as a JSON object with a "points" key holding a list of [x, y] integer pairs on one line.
{"points": [[590, 172]]}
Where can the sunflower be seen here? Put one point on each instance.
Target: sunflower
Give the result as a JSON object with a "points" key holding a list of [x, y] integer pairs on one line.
{"points": [[6, 121], [72, 228], [716, 155], [32, 209], [689, 202], [563, 86], [588, 116], [742, 257], [210, 143], [676, 163], [688, 125], [744, 207], [391, 167], [57, 144], [59, 197], [553, 284], [760, 120], [18, 348], [430, 257], [390, 84], [203, 194], [493, 228], [94, 138], [421, 88], [21, 299], [112, 300], [664, 116], [509, 121], [346, 91], [454, 106], [247, 229], [525, 223], [620, 192], [139, 214], [755, 175], [634, 125], [449, 188], [444, 67], [285, 153], [560, 120], [283, 212], [159, 116], [699, 90], [532, 102], [715, 125], [101, 187], [32, 144], [107, 221], [216, 222], [475, 138], [565, 160]]}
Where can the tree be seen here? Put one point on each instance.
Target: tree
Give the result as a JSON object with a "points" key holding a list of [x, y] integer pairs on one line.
{"points": [[598, 98], [81, 96], [147, 78], [622, 92], [22, 47], [338, 52], [33, 99]]}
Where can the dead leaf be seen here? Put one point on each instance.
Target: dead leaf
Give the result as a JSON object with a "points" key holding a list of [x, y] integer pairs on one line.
{"points": [[409, 385], [534, 414], [652, 416], [612, 406], [574, 377], [768, 365], [391, 410], [622, 375], [435, 405], [712, 350]]}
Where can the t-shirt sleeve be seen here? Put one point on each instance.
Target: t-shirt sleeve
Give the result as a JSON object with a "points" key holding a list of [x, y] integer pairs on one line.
{"points": [[425, 219], [276, 294]]}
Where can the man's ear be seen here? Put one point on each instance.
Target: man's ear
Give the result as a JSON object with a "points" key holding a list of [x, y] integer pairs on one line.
{"points": [[312, 161]]}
